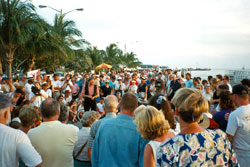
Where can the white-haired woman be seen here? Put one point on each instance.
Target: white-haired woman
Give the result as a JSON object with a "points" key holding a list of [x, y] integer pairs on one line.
{"points": [[195, 146], [80, 150]]}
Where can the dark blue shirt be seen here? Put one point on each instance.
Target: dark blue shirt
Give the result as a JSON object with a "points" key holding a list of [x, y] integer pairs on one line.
{"points": [[219, 117]]}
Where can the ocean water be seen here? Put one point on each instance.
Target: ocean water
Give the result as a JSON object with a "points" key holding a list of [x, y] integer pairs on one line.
{"points": [[212, 72]]}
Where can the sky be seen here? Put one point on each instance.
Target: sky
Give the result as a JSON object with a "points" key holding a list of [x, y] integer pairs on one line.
{"points": [[175, 33]]}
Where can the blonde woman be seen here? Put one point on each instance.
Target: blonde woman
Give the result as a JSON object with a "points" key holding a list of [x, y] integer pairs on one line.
{"points": [[152, 125], [195, 146]]}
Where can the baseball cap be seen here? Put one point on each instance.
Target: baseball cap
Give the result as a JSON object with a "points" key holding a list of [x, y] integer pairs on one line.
{"points": [[149, 75], [5, 101], [240, 89], [119, 78]]}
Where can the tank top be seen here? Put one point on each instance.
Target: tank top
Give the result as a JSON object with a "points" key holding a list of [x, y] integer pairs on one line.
{"points": [[154, 145]]}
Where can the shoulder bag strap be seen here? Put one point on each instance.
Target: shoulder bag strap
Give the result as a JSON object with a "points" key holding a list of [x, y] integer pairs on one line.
{"points": [[79, 152]]}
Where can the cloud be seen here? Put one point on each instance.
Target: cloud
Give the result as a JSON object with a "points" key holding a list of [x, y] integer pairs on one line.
{"points": [[207, 33]]}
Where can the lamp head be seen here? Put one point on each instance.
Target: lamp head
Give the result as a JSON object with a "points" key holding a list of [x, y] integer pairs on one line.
{"points": [[42, 6], [79, 9]]}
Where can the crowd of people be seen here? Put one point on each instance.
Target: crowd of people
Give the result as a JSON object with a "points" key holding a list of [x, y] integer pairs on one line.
{"points": [[138, 118]]}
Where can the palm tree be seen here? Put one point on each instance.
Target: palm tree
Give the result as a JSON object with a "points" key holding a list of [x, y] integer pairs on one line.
{"points": [[131, 60], [80, 62], [113, 54], [16, 20], [64, 33], [95, 55], [38, 45]]}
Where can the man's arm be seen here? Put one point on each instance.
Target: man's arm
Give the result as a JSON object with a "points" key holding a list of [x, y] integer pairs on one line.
{"points": [[95, 151], [232, 126], [27, 152], [142, 145], [230, 138]]}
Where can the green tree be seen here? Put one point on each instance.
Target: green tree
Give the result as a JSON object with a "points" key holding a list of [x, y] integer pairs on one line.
{"points": [[36, 47], [96, 56], [112, 54], [80, 63], [131, 60], [16, 20], [64, 33]]}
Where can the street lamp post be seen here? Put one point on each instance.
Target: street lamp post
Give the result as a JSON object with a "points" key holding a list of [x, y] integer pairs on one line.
{"points": [[125, 45], [60, 11]]}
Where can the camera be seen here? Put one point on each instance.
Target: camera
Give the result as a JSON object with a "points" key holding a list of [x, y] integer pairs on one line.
{"points": [[35, 90], [158, 83]]}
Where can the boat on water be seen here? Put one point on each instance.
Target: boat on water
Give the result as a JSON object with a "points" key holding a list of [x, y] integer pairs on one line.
{"points": [[236, 76]]}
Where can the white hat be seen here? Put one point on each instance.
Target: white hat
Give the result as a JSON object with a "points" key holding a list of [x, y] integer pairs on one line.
{"points": [[204, 121]]}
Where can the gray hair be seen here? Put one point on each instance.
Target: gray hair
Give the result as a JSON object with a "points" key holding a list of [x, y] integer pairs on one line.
{"points": [[89, 118], [64, 112], [27, 115], [49, 108], [110, 103]]}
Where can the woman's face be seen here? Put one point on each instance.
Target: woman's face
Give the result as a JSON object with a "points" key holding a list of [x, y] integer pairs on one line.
{"points": [[60, 99], [208, 90]]}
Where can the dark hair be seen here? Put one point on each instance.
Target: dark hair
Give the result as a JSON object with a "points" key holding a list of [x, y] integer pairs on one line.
{"points": [[72, 102], [19, 90], [64, 112], [30, 81], [226, 77], [223, 86], [204, 82], [246, 82], [226, 101], [209, 77], [219, 76], [15, 112], [49, 108], [15, 124], [165, 108], [195, 79], [59, 97], [129, 102], [188, 74]]}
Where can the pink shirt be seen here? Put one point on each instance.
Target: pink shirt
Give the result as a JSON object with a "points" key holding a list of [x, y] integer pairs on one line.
{"points": [[91, 90], [75, 88]]}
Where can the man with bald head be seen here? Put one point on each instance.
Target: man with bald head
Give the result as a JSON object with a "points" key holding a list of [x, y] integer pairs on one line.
{"points": [[117, 142], [110, 109], [14, 144], [52, 139]]}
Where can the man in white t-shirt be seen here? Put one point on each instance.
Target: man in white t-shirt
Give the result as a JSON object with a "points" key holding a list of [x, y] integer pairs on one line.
{"points": [[14, 144], [100, 106], [238, 127], [226, 82], [119, 86], [56, 83], [52, 139]]}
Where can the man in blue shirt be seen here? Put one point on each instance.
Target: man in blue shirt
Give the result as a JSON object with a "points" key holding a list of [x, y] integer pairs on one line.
{"points": [[117, 142], [188, 82]]}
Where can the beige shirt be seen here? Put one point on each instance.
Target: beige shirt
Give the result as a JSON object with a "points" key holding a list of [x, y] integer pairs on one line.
{"points": [[55, 143]]}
